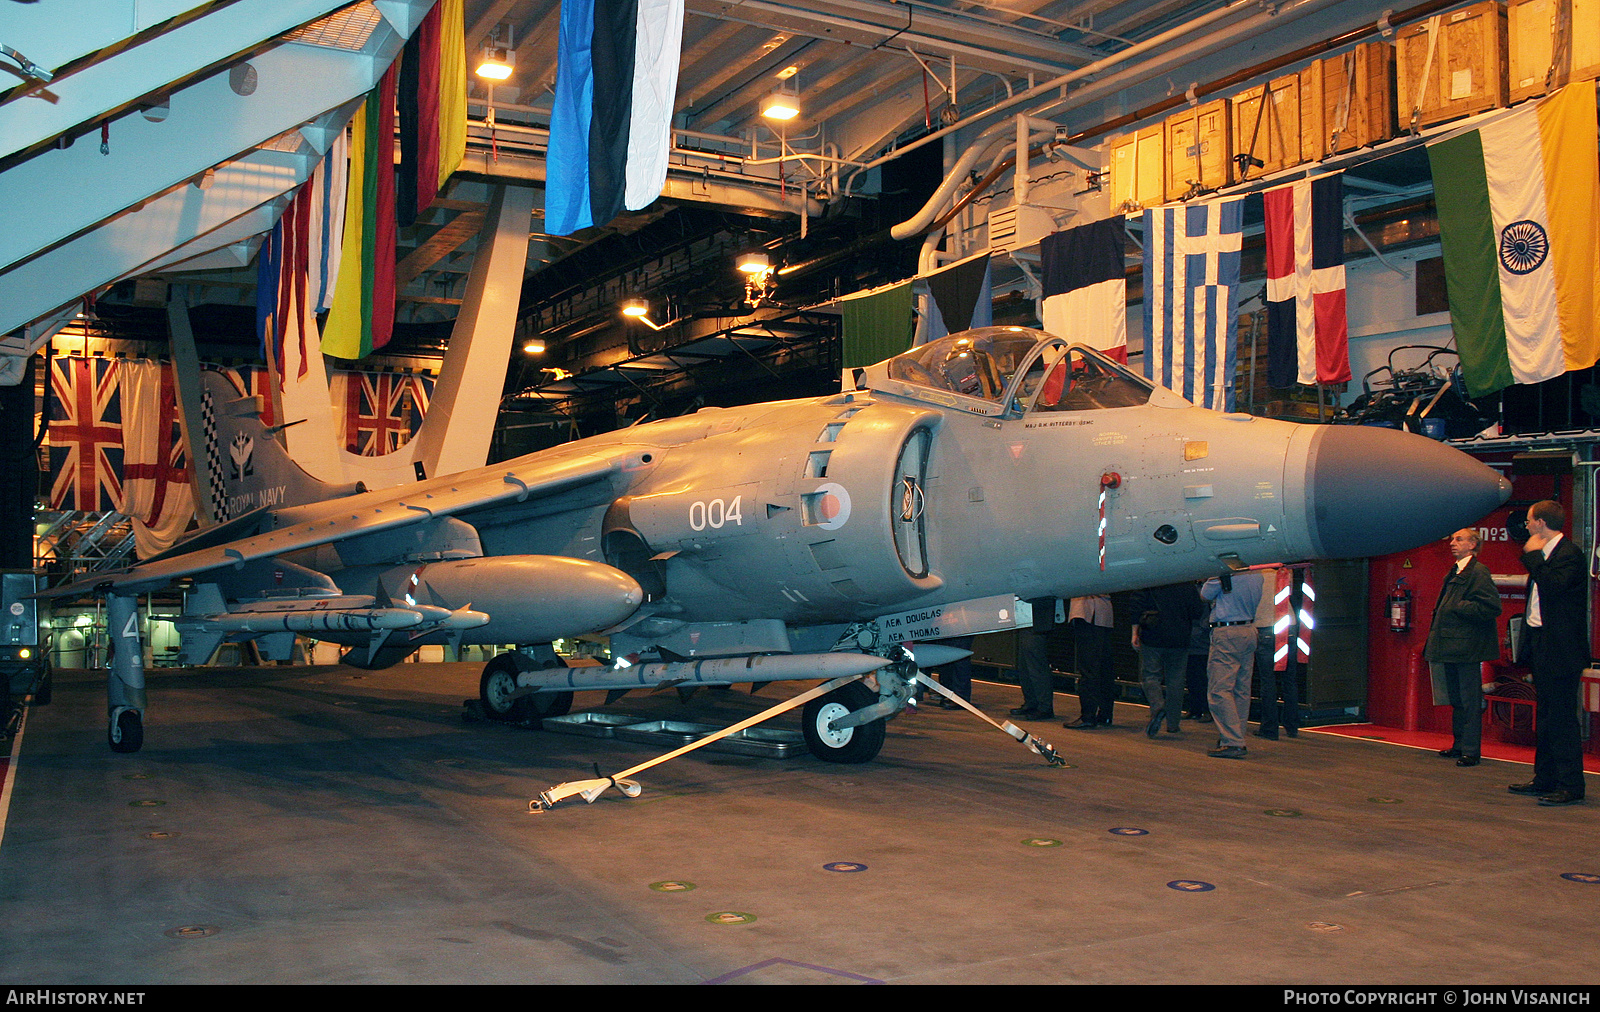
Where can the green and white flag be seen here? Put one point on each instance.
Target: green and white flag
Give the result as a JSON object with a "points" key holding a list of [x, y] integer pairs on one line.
{"points": [[1519, 220]]}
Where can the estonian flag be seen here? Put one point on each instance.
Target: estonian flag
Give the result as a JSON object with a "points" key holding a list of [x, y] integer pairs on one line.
{"points": [[610, 130]]}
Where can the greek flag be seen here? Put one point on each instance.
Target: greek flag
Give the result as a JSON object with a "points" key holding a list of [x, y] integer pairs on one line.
{"points": [[1191, 286]]}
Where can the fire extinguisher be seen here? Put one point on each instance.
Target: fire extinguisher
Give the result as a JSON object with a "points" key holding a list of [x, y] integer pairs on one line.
{"points": [[1399, 607]]}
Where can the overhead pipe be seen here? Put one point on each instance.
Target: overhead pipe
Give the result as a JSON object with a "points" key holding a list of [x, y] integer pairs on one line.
{"points": [[1138, 49], [1231, 80]]}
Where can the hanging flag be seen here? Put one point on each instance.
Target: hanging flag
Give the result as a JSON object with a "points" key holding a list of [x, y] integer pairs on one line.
{"points": [[85, 435], [156, 483], [255, 381], [1086, 287], [1519, 221], [957, 299], [610, 125], [269, 269], [362, 317], [1191, 295], [1308, 339], [877, 325], [428, 106], [325, 229], [379, 411]]}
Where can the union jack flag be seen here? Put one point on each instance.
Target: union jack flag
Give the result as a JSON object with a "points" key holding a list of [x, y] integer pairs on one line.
{"points": [[85, 434], [255, 381], [382, 410]]}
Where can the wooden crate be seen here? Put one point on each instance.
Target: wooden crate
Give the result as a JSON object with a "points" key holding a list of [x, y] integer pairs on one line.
{"points": [[1138, 169], [1358, 107], [1313, 139], [1199, 156], [1551, 43], [1267, 131], [1452, 65]]}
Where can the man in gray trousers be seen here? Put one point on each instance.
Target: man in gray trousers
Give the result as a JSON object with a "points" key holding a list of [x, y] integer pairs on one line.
{"points": [[1230, 664], [1463, 635]]}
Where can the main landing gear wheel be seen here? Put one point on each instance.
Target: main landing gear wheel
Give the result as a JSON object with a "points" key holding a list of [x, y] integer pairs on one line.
{"points": [[499, 682], [126, 732], [857, 744]]}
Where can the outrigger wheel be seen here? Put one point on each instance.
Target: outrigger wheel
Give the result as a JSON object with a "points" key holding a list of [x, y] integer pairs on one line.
{"points": [[856, 744], [499, 683]]}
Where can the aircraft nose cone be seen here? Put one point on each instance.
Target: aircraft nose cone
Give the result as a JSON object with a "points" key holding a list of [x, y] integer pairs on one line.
{"points": [[1373, 491]]}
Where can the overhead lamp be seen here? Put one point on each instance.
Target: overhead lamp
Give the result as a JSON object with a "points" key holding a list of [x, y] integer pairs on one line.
{"points": [[534, 347], [496, 63], [639, 309], [782, 104], [754, 262]]}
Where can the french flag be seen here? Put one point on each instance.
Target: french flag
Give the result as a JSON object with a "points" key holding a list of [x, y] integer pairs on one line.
{"points": [[610, 127], [1308, 339]]}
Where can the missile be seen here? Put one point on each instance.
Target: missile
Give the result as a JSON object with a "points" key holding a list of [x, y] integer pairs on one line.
{"points": [[344, 620], [711, 671]]}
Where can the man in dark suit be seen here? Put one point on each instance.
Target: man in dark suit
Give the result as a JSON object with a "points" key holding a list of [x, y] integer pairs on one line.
{"points": [[1559, 643], [1463, 635]]}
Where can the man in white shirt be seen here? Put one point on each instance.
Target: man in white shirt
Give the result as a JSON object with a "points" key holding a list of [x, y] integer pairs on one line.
{"points": [[1558, 636]]}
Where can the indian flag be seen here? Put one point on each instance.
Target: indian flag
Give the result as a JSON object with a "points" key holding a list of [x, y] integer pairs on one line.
{"points": [[1519, 220]]}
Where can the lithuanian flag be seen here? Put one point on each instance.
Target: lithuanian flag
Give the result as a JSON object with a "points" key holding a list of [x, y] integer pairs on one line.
{"points": [[362, 317], [1519, 220]]}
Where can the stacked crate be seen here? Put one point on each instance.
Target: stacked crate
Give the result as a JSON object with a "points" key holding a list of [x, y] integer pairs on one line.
{"points": [[1199, 150], [1452, 65], [1138, 169], [1267, 127], [1483, 56], [1552, 43], [1347, 101]]}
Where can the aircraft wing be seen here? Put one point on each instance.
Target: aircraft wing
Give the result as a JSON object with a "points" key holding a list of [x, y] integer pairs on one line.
{"points": [[383, 510]]}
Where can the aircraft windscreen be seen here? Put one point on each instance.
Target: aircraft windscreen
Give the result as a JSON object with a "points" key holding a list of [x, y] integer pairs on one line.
{"points": [[1079, 382], [975, 363]]}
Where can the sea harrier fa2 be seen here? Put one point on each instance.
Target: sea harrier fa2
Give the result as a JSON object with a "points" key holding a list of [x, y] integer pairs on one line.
{"points": [[799, 539]]}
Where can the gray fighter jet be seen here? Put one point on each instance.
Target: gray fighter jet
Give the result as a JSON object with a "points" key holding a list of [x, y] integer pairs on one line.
{"points": [[796, 539]]}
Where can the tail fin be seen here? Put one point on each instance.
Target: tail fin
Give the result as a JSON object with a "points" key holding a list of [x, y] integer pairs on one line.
{"points": [[243, 462]]}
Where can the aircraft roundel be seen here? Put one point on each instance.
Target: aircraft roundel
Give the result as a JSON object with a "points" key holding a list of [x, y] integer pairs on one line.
{"points": [[833, 506]]}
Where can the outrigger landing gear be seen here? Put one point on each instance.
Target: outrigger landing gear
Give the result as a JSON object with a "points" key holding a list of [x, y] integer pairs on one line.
{"points": [[125, 698]]}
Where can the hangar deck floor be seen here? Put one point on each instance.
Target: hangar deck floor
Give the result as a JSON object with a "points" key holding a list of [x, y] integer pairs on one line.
{"points": [[326, 825]]}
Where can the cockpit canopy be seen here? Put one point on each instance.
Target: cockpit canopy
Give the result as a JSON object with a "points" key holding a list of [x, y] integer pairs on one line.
{"points": [[1011, 367]]}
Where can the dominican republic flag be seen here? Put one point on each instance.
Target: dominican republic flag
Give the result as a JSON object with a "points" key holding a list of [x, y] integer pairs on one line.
{"points": [[1191, 298], [85, 435], [1308, 340], [610, 128], [1085, 286]]}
